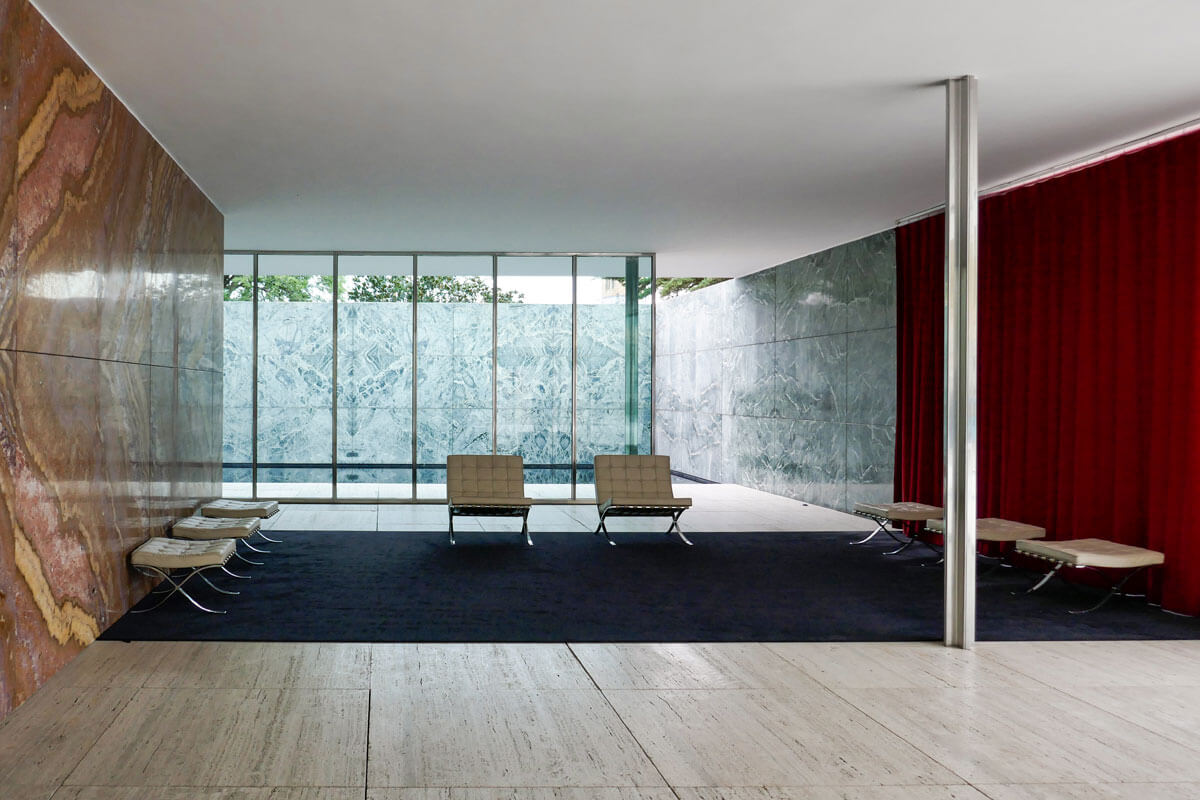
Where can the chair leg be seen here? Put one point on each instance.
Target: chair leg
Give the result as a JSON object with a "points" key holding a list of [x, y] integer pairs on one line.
{"points": [[227, 571], [177, 587], [451, 527], [1113, 592], [268, 538], [243, 558], [678, 531], [525, 528], [204, 578], [1044, 579], [603, 527], [255, 549], [880, 525]]}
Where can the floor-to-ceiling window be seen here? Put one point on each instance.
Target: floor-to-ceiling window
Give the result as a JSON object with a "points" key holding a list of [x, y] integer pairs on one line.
{"points": [[375, 377], [351, 376], [295, 375], [615, 330], [533, 369], [454, 363]]}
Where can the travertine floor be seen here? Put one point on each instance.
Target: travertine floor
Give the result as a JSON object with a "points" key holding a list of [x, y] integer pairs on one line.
{"points": [[746, 721], [1021, 721]]}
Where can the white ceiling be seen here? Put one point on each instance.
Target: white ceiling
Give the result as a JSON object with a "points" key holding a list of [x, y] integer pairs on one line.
{"points": [[726, 135]]}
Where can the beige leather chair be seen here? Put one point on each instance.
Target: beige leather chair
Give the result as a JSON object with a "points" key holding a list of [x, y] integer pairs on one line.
{"points": [[487, 486], [637, 486]]}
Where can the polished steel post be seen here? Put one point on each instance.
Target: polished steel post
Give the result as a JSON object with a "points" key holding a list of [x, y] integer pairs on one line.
{"points": [[413, 372], [961, 298]]}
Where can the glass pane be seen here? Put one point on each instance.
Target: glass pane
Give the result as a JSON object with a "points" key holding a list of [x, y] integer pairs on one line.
{"points": [[295, 376], [454, 364], [613, 371], [237, 391], [533, 369], [374, 448]]}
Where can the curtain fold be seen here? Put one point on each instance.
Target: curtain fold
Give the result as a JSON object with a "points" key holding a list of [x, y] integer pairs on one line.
{"points": [[1089, 351]]}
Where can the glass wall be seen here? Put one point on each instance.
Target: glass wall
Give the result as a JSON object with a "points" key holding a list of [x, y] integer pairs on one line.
{"points": [[375, 377], [533, 369], [615, 327], [454, 364], [352, 376]]}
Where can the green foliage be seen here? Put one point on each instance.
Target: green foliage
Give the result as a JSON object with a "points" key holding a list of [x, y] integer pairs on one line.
{"points": [[672, 286], [430, 289], [668, 287], [367, 289]]}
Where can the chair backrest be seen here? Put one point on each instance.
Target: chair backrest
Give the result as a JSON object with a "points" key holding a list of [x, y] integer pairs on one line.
{"points": [[484, 476], [633, 476]]}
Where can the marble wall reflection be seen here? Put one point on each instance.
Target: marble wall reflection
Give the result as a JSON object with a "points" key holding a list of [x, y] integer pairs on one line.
{"points": [[785, 380], [109, 351]]}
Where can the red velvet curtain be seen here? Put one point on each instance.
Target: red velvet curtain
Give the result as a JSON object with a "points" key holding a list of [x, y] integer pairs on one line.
{"points": [[1089, 357]]}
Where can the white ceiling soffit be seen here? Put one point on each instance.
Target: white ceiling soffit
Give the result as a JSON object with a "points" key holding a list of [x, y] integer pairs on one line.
{"points": [[726, 135]]}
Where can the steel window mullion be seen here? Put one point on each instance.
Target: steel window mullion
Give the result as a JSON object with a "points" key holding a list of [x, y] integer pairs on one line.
{"points": [[574, 372], [495, 341], [413, 370], [334, 388]]}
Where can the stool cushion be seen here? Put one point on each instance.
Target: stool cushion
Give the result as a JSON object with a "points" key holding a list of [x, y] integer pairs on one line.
{"points": [[1093, 553], [993, 529], [240, 508], [181, 553], [903, 512], [213, 528]]}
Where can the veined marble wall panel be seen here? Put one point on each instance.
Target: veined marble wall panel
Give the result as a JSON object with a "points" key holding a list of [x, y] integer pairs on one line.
{"points": [[749, 381], [812, 463], [870, 460], [804, 359], [749, 308], [10, 27], [812, 378], [95, 451]]}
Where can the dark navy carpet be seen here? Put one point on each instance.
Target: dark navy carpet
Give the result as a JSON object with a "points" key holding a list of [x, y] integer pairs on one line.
{"points": [[573, 587]]}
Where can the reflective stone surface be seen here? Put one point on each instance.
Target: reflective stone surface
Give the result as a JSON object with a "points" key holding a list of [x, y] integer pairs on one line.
{"points": [[110, 359], [802, 357]]}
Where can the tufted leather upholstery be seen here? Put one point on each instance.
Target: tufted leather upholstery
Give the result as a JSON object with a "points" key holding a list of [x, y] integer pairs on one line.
{"points": [[1092, 553], [240, 508], [209, 528], [640, 480], [993, 529], [182, 554], [899, 512], [495, 480]]}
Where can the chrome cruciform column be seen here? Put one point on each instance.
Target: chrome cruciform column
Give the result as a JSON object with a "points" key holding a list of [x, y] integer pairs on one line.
{"points": [[961, 298]]}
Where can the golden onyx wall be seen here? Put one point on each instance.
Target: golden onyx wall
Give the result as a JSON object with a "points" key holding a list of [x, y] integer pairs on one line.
{"points": [[110, 351]]}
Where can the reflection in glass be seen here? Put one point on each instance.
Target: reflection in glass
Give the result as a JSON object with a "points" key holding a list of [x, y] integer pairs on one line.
{"points": [[533, 369], [454, 364], [295, 376]]}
